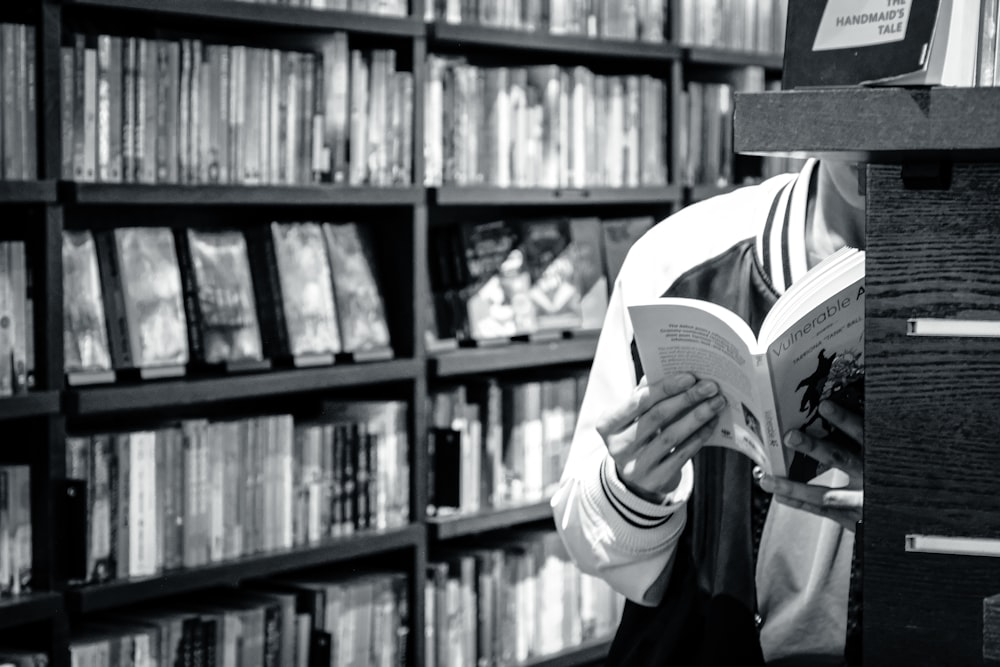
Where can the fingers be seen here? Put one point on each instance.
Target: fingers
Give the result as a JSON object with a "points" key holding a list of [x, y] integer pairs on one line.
{"points": [[640, 401], [851, 423], [842, 505], [827, 451], [847, 517]]}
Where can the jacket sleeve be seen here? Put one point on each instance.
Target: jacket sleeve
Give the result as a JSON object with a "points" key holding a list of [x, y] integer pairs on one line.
{"points": [[609, 531]]}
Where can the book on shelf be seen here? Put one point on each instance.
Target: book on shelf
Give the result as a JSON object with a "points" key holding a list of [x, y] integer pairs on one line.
{"points": [[223, 328], [810, 348], [85, 329], [554, 291], [18, 110], [16, 348], [144, 301], [361, 314], [493, 445], [185, 111], [618, 236], [629, 21], [381, 7], [365, 616], [203, 491], [15, 530], [513, 598], [295, 296], [756, 26], [491, 279], [23, 658], [918, 43], [542, 126], [266, 622]]}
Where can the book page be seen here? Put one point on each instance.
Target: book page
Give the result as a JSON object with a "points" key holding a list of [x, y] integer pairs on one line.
{"points": [[691, 336]]}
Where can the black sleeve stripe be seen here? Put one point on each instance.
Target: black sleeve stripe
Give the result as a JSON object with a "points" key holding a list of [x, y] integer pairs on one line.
{"points": [[626, 513], [786, 259], [767, 230]]}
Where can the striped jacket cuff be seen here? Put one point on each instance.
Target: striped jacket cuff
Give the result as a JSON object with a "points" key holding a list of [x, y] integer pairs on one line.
{"points": [[635, 511]]}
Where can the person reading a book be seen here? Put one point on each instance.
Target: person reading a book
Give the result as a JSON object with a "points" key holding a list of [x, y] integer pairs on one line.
{"points": [[716, 573]]}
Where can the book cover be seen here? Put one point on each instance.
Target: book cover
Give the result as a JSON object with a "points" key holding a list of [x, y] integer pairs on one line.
{"points": [[153, 298], [497, 291], [226, 309], [360, 308], [85, 331], [619, 235], [901, 42], [587, 257], [554, 292], [810, 348], [306, 289]]}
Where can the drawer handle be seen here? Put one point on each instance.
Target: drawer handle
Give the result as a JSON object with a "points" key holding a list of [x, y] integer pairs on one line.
{"points": [[938, 326], [957, 546]]}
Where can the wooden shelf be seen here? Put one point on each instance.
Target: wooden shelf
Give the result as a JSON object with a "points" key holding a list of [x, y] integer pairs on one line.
{"points": [[28, 609], [703, 55], [589, 653], [701, 192], [466, 36], [460, 525], [32, 404], [481, 195], [514, 356], [199, 391], [872, 124], [238, 195], [27, 192], [236, 11], [121, 593]]}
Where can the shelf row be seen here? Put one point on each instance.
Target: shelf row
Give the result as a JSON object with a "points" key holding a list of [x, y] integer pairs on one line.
{"points": [[199, 391], [95, 597], [50, 192], [439, 33]]}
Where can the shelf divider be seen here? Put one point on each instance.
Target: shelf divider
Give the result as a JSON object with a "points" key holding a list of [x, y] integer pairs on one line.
{"points": [[461, 525], [96, 597], [199, 391], [237, 11]]}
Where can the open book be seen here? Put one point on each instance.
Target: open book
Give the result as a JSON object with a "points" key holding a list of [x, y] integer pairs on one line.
{"points": [[810, 348]]}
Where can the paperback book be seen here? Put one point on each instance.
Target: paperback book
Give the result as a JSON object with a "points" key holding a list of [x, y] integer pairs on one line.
{"points": [[306, 291], [144, 300], [810, 348], [875, 42], [220, 294], [364, 330], [85, 330]]}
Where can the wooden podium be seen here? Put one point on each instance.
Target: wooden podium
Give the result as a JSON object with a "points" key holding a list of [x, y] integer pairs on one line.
{"points": [[932, 341]]}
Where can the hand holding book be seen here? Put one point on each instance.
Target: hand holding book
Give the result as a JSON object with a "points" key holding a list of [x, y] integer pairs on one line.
{"points": [[842, 503], [658, 429]]}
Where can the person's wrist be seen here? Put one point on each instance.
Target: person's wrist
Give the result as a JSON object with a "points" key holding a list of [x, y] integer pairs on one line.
{"points": [[654, 497]]}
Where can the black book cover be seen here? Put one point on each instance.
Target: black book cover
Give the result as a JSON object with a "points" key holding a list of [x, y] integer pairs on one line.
{"points": [[881, 40]]}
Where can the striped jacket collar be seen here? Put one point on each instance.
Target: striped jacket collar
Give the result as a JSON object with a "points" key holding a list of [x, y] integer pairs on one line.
{"points": [[781, 243]]}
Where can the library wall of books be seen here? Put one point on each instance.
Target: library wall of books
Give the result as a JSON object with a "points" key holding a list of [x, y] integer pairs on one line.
{"points": [[297, 304]]}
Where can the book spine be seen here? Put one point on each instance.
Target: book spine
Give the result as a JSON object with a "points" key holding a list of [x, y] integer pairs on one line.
{"points": [[114, 300], [128, 128], [267, 289], [30, 104], [192, 305]]}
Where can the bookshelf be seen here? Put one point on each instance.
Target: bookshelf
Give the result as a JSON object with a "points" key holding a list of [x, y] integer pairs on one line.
{"points": [[932, 243], [401, 216], [465, 525]]}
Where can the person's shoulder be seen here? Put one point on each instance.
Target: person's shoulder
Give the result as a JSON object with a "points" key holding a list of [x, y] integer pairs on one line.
{"points": [[698, 233]]}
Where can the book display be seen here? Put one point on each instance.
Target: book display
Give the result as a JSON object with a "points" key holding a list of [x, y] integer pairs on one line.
{"points": [[297, 300]]}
